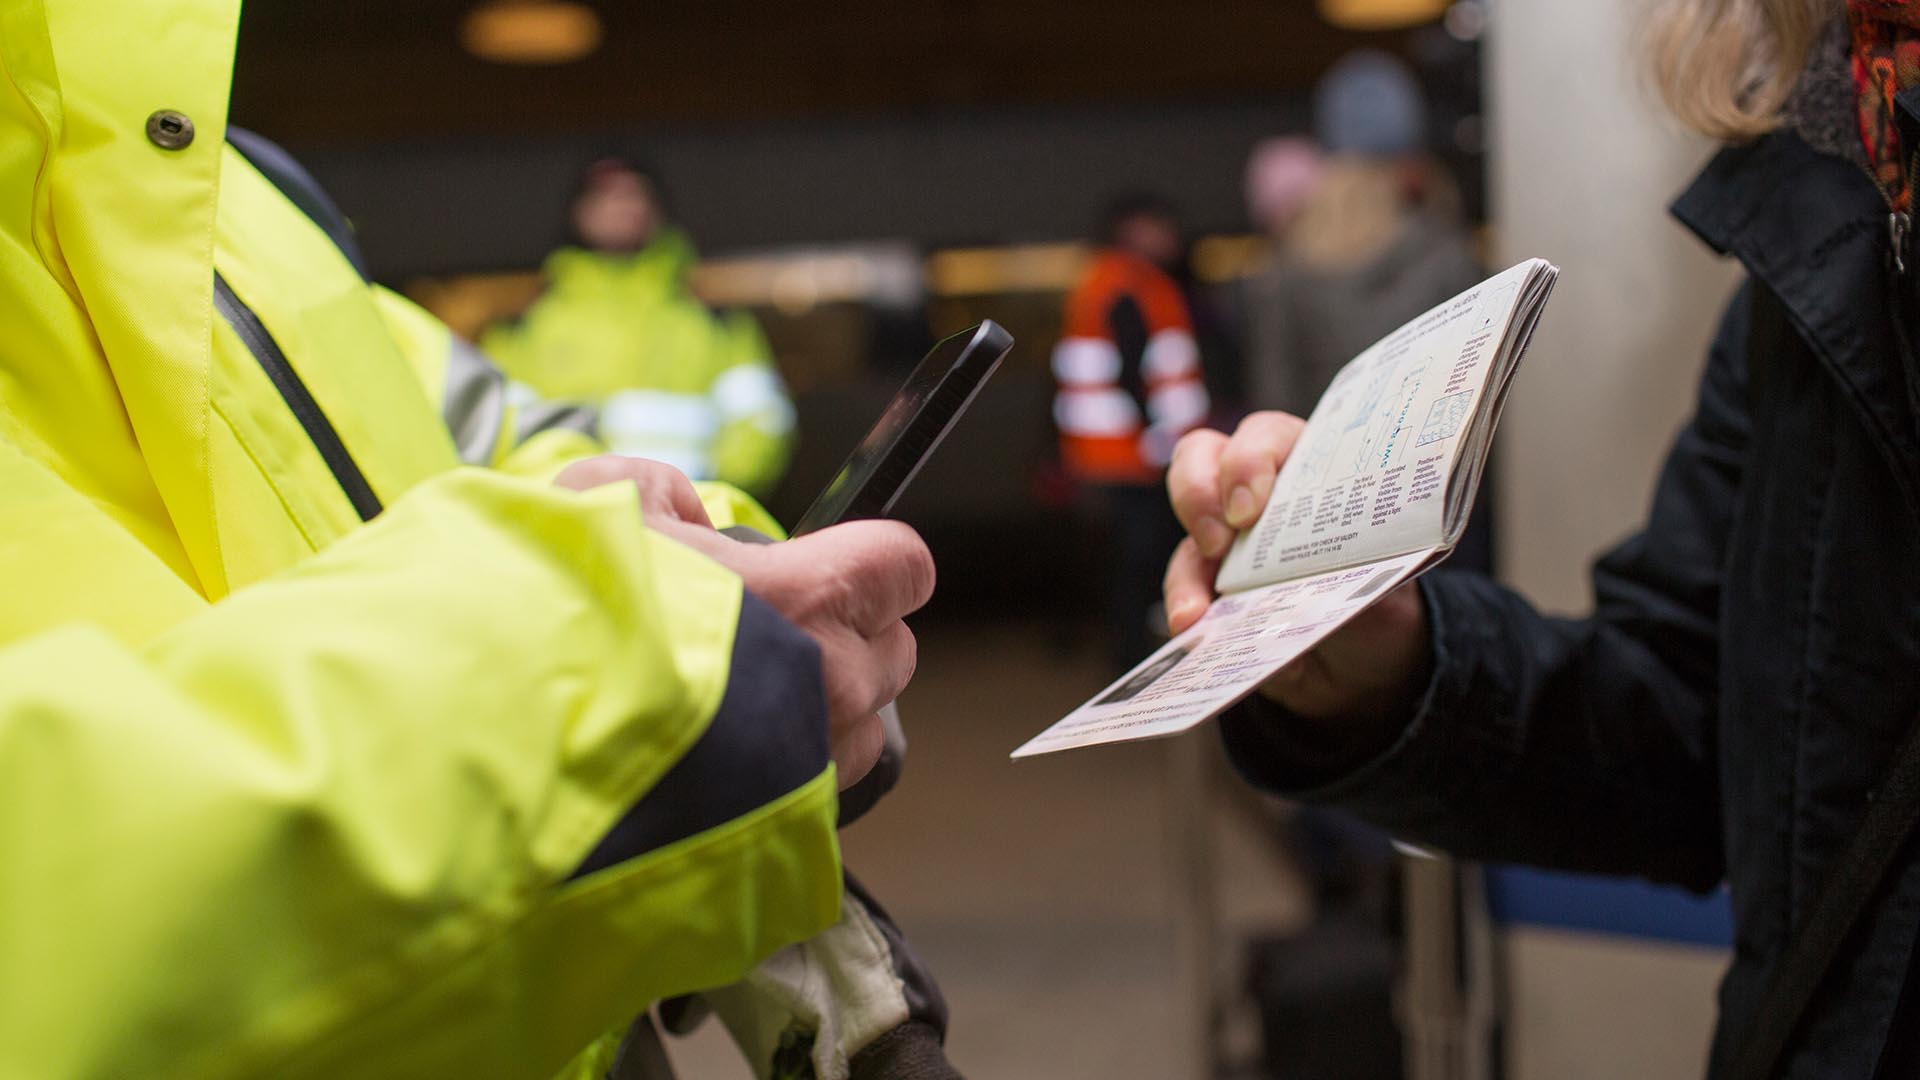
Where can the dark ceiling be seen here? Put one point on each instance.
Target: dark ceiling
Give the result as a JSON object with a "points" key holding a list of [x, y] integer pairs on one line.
{"points": [[354, 70]]}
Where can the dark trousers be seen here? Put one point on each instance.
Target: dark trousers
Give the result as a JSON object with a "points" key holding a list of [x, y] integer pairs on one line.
{"points": [[1143, 534]]}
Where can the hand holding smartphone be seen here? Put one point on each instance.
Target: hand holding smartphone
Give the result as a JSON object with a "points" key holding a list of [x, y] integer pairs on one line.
{"points": [[879, 470]]}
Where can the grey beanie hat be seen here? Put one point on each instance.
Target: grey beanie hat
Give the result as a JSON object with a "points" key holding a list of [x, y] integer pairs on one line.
{"points": [[1369, 103]]}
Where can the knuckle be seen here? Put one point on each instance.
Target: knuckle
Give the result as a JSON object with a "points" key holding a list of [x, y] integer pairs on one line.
{"points": [[866, 693], [1185, 478], [1245, 450], [1266, 420], [845, 699], [856, 753], [1257, 447], [1188, 444], [591, 473], [1195, 451], [819, 599], [1194, 492]]}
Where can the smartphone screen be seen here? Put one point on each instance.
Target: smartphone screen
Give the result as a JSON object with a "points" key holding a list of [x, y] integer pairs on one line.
{"points": [[919, 416]]}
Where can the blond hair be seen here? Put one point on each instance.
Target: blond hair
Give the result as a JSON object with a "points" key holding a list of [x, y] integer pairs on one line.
{"points": [[1727, 67]]}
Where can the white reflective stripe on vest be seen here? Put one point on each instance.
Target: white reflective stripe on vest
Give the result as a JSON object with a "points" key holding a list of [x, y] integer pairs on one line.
{"points": [[1171, 354], [754, 392], [520, 395], [1096, 412], [659, 414], [1083, 361], [1157, 443], [1180, 405], [678, 429]]}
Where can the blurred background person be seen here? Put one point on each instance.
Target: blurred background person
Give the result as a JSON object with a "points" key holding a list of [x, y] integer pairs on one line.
{"points": [[1282, 174], [1365, 238], [619, 326], [1368, 233], [1130, 384]]}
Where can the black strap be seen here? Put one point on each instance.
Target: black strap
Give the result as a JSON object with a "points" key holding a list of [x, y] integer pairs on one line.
{"points": [[640, 1055], [911, 1051], [300, 188], [1850, 886]]}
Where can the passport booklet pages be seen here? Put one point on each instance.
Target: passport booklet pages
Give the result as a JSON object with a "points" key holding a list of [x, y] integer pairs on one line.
{"points": [[1377, 490]]}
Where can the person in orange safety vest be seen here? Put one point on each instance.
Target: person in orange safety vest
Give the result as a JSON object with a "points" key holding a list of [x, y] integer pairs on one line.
{"points": [[1129, 385]]}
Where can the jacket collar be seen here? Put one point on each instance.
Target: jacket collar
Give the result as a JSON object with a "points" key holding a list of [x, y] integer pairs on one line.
{"points": [[667, 261], [1813, 229]]}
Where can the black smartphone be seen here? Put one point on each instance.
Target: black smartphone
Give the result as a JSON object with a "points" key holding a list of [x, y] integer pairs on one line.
{"points": [[920, 415]]}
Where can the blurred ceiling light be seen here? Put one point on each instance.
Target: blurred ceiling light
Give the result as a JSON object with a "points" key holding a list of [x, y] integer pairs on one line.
{"points": [[1017, 269], [1381, 14], [887, 275], [531, 31]]}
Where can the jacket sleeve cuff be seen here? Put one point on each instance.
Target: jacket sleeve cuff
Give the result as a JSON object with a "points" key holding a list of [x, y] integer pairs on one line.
{"points": [[768, 738], [1278, 752]]}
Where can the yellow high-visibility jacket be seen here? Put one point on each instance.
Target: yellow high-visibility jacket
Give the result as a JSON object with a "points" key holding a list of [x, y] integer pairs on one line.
{"points": [[672, 380], [322, 755]]}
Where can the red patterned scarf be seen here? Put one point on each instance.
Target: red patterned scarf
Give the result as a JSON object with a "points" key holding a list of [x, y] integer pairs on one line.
{"points": [[1886, 60]]}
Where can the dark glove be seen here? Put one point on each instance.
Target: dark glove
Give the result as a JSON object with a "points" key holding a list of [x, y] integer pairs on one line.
{"points": [[911, 1051]]}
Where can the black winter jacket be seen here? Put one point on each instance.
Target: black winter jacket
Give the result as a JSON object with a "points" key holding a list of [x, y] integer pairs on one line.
{"points": [[1754, 653]]}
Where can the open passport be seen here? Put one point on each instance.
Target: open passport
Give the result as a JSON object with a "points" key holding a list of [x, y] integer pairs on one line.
{"points": [[1377, 490]]}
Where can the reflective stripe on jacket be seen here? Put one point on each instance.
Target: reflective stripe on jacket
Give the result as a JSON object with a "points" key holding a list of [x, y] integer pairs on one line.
{"points": [[673, 381], [285, 792], [1128, 372]]}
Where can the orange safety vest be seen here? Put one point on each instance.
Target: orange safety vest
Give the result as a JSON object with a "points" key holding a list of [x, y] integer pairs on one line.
{"points": [[1128, 372]]}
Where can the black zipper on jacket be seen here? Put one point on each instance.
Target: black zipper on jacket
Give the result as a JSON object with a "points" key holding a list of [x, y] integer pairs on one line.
{"points": [[298, 398]]}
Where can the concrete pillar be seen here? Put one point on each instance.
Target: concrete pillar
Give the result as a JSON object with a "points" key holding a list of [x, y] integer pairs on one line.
{"points": [[1584, 163]]}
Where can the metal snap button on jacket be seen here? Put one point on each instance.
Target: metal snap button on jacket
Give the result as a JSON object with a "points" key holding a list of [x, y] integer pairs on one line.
{"points": [[170, 130]]}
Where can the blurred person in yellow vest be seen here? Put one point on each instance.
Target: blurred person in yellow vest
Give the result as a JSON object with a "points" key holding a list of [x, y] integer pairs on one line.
{"points": [[619, 327], [335, 740]]}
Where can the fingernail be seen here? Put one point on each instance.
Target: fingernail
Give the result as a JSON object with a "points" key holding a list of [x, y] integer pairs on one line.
{"points": [[1212, 536], [1241, 508]]}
